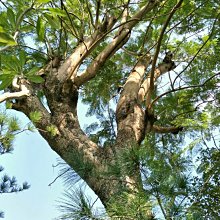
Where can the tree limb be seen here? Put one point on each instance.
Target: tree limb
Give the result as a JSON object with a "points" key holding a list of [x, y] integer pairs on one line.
{"points": [[144, 89], [72, 64], [118, 41], [132, 84], [15, 95], [151, 88], [163, 130]]}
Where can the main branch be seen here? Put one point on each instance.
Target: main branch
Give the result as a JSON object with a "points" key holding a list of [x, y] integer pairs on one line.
{"points": [[118, 41]]}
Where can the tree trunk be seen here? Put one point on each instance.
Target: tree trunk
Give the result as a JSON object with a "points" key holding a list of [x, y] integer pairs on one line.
{"points": [[134, 118]]}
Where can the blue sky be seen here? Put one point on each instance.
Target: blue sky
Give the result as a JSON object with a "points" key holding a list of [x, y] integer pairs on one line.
{"points": [[32, 160]]}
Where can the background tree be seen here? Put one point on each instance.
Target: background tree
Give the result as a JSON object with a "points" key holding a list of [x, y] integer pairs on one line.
{"points": [[163, 55], [9, 127]]}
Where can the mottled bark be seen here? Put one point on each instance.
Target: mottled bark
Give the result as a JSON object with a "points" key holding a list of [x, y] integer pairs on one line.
{"points": [[62, 83]]}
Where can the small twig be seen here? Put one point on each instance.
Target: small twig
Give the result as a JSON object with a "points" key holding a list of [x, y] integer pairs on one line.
{"points": [[210, 35], [97, 12], [182, 88], [59, 176], [161, 206], [71, 22], [160, 41], [94, 202]]}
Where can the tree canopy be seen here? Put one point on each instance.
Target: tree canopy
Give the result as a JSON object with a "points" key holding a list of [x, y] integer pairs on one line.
{"points": [[149, 71]]}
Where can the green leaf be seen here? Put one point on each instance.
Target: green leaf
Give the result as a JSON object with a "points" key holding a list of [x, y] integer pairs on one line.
{"points": [[7, 39], [53, 21], [11, 63], [5, 83], [35, 116], [30, 127], [52, 130], [32, 71], [40, 29], [35, 79], [13, 125], [8, 105], [43, 1], [11, 17], [6, 80], [18, 14], [2, 29], [57, 12], [22, 58], [16, 65]]}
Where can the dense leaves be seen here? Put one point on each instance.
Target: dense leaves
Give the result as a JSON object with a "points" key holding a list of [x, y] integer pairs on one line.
{"points": [[77, 206]]}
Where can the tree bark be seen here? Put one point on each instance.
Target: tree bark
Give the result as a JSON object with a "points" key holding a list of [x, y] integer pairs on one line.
{"points": [[61, 87]]}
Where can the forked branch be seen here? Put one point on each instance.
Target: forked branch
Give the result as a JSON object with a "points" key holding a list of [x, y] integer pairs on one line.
{"points": [[118, 41]]}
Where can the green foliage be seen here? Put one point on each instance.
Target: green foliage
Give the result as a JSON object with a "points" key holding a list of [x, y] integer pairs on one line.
{"points": [[52, 130], [6, 39], [103, 133], [17, 66], [85, 167], [40, 28], [205, 193], [128, 161], [2, 214], [106, 84], [35, 116], [9, 185], [9, 127], [75, 205], [165, 176], [129, 206], [43, 1]]}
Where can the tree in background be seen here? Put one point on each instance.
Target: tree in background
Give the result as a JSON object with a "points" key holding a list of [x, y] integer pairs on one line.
{"points": [[9, 127], [148, 70]]}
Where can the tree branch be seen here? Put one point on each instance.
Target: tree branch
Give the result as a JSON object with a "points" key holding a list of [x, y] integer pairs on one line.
{"points": [[163, 130], [71, 65], [161, 206], [118, 41], [182, 88], [199, 50], [15, 95], [144, 89], [24, 91], [151, 88], [133, 82]]}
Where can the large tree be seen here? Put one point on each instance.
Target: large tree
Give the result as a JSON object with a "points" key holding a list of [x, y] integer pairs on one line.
{"points": [[147, 69]]}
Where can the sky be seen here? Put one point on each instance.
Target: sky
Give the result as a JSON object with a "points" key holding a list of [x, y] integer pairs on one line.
{"points": [[32, 160]]}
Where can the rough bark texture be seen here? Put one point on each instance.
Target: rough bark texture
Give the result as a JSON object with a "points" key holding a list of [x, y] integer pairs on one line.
{"points": [[62, 83]]}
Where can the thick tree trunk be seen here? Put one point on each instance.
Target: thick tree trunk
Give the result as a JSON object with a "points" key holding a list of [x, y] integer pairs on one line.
{"points": [[62, 82], [71, 143], [90, 161]]}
